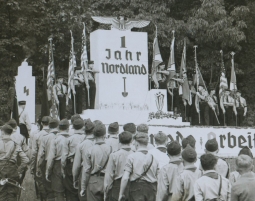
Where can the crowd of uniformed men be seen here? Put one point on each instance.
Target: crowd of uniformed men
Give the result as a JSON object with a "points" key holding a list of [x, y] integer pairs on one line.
{"points": [[81, 163]]}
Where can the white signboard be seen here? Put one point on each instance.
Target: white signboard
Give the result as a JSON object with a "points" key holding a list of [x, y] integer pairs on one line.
{"points": [[121, 57], [230, 140], [25, 89]]}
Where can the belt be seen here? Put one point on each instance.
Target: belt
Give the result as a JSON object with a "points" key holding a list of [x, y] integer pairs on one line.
{"points": [[101, 174]]}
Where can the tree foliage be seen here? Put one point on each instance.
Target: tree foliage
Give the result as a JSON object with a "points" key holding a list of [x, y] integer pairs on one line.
{"points": [[211, 24]]}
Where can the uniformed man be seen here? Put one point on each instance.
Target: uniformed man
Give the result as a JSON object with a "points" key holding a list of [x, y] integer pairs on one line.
{"points": [[35, 148], [213, 99], [203, 105], [73, 118], [115, 168], [222, 167], [24, 122], [77, 90], [54, 173], [9, 152], [113, 140], [43, 155], [61, 98], [243, 189], [67, 158], [184, 189], [94, 164], [226, 104], [21, 141], [241, 108], [80, 153], [211, 183], [167, 179], [159, 152], [235, 175], [161, 76], [141, 170], [190, 140], [92, 86]]}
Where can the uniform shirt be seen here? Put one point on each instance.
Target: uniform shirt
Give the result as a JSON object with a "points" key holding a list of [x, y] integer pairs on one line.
{"points": [[80, 154], [184, 189], [115, 167], [24, 119], [60, 89], [243, 189], [241, 102], [44, 149], [113, 141], [95, 160], [90, 74], [71, 145], [36, 141], [160, 155], [10, 151], [233, 177], [78, 82], [19, 140], [138, 162], [167, 179], [227, 99], [56, 149], [149, 146], [208, 188], [31, 136]]}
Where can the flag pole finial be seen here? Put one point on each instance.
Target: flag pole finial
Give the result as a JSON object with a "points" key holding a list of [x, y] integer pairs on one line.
{"points": [[156, 30], [221, 51], [173, 32], [232, 53]]}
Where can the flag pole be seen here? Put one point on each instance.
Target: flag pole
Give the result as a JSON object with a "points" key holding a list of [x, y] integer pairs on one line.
{"points": [[74, 104], [234, 106], [196, 75]]}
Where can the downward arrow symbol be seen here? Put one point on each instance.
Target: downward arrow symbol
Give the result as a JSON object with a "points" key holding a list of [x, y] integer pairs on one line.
{"points": [[124, 94]]}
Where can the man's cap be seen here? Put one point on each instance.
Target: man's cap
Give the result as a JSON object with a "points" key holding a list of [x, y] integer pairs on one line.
{"points": [[211, 88], [99, 130], [212, 145], [89, 126], [188, 140], [63, 124], [46, 119], [22, 102], [91, 62], [160, 137], [113, 128], [53, 123], [174, 148], [125, 137], [77, 68], [97, 122], [7, 129], [130, 127], [143, 128], [238, 91], [60, 76], [189, 154], [227, 90], [78, 124], [74, 117], [12, 123], [246, 151], [141, 137]]}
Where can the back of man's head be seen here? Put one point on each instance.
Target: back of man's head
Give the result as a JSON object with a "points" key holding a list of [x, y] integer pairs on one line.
{"points": [[246, 151], [160, 138], [208, 161], [244, 163], [125, 137], [174, 148], [12, 123], [142, 138], [188, 140]]}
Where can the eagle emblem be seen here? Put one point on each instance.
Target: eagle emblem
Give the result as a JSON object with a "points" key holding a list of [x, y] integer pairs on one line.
{"points": [[121, 22]]}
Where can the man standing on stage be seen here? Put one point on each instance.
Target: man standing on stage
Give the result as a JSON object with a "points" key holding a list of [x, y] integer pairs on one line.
{"points": [[203, 105], [241, 108], [226, 104], [60, 95], [77, 92], [24, 122], [161, 76], [91, 87]]}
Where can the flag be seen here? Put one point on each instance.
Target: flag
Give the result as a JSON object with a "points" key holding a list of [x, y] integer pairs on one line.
{"points": [[15, 109], [223, 79], [53, 112], [171, 65], [45, 111], [157, 59], [84, 54], [232, 85], [183, 76], [72, 65]]}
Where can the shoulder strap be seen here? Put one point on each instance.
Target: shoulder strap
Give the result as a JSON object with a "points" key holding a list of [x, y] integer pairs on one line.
{"points": [[9, 158], [145, 172], [219, 193], [105, 161], [21, 113]]}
